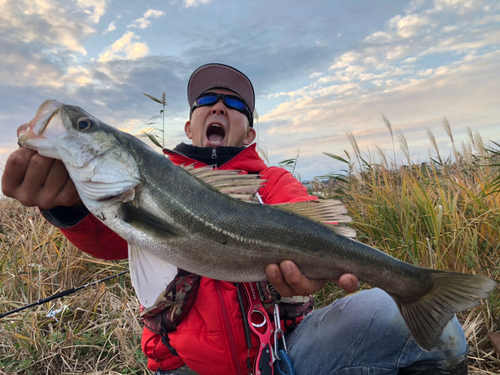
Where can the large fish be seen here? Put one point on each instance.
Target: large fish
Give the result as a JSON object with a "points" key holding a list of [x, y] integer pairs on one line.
{"points": [[172, 218]]}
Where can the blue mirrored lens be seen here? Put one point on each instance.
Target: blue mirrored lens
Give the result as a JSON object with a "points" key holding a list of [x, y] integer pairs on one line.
{"points": [[231, 101], [205, 100], [235, 103]]}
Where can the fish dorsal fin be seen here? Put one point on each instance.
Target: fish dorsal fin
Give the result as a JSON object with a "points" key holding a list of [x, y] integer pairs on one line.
{"points": [[330, 212], [230, 182], [150, 275]]}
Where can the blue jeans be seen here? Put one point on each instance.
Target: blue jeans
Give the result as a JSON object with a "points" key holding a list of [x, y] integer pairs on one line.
{"points": [[364, 334]]}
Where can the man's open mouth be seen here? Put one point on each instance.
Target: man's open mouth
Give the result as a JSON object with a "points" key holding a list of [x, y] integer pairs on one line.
{"points": [[215, 133]]}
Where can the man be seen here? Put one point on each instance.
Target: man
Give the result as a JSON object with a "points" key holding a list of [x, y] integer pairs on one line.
{"points": [[201, 321]]}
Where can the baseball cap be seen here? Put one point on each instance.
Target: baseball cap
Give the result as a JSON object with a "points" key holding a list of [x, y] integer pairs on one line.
{"points": [[211, 76]]}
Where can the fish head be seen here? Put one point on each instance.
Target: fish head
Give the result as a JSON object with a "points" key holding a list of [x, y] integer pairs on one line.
{"points": [[67, 133], [96, 160]]}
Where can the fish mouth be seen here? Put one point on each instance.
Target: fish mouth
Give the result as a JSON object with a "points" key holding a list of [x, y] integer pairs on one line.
{"points": [[38, 127], [216, 133], [42, 118]]}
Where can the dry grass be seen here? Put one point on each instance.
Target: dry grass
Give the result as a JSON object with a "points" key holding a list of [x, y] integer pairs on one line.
{"points": [[96, 329]]}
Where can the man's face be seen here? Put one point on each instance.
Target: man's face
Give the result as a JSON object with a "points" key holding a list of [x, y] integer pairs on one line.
{"points": [[216, 125]]}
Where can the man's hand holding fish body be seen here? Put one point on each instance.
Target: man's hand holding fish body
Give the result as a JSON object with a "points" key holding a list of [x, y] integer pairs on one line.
{"points": [[37, 180]]}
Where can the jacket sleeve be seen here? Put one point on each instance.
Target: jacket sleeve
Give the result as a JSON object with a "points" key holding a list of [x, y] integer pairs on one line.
{"points": [[282, 187], [88, 234]]}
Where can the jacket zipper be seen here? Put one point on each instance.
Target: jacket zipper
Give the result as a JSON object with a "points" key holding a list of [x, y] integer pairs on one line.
{"points": [[229, 329], [214, 153]]}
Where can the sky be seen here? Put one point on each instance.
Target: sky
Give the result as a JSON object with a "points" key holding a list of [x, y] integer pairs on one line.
{"points": [[320, 69]]}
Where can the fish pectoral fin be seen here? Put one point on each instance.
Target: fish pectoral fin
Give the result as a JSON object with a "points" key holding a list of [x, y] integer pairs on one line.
{"points": [[231, 182], [329, 212], [148, 223], [452, 293], [99, 190], [150, 275]]}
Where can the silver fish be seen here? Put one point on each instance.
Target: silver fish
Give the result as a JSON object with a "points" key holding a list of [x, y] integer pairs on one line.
{"points": [[172, 218]]}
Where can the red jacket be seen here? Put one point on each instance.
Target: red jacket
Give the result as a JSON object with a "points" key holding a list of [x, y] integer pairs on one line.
{"points": [[210, 339]]}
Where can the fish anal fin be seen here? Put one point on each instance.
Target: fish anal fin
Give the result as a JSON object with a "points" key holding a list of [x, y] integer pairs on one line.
{"points": [[452, 293]]}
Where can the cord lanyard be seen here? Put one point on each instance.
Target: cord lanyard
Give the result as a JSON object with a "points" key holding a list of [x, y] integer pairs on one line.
{"points": [[285, 366], [261, 326]]}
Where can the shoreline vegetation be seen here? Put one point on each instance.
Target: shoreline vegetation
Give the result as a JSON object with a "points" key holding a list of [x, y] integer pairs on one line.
{"points": [[442, 214]]}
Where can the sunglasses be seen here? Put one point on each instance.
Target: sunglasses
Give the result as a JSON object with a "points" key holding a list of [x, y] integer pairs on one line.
{"points": [[230, 101]]}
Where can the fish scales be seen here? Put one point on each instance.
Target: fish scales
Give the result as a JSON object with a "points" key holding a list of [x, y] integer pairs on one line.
{"points": [[162, 209]]}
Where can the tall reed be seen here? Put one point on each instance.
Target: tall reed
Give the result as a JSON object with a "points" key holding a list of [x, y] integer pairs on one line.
{"points": [[442, 214]]}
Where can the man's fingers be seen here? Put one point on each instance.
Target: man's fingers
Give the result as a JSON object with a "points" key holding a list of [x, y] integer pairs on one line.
{"points": [[275, 277], [35, 178], [348, 282], [56, 190], [68, 196], [300, 284], [289, 281], [15, 169]]}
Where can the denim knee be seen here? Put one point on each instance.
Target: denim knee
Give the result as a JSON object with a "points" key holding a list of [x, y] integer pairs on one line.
{"points": [[366, 330]]}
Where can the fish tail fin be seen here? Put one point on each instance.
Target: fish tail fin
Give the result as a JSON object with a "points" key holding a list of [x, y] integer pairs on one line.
{"points": [[452, 292]]}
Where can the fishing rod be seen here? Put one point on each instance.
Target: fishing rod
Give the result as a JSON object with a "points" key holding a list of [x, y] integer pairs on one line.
{"points": [[60, 294]]}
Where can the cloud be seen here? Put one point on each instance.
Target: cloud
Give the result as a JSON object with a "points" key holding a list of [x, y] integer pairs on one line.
{"points": [[99, 8], [379, 37], [47, 22], [78, 75], [144, 21], [448, 29], [462, 43], [415, 82], [398, 52], [416, 98], [111, 27], [124, 48], [414, 5], [345, 60], [461, 5], [195, 3], [39, 39], [490, 18], [408, 26]]}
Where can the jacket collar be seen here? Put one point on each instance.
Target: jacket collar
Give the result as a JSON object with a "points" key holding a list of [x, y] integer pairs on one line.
{"points": [[229, 158]]}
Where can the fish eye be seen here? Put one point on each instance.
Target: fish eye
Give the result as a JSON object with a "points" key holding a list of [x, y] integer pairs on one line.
{"points": [[84, 124]]}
